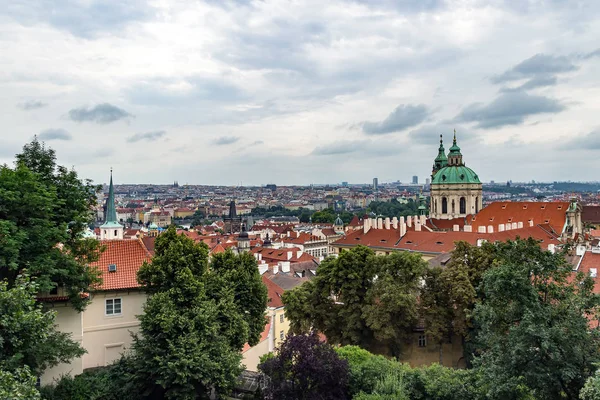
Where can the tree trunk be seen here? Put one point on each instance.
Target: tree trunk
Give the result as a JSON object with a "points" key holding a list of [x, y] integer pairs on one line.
{"points": [[441, 353]]}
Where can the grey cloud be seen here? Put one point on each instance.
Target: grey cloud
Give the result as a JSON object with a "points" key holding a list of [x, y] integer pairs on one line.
{"points": [[508, 109], [55, 134], [104, 113], [430, 134], [539, 64], [595, 53], [225, 140], [538, 81], [31, 105], [85, 19], [147, 136], [590, 141], [362, 147], [404, 116]]}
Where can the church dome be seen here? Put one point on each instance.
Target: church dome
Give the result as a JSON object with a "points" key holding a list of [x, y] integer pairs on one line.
{"points": [[455, 174]]}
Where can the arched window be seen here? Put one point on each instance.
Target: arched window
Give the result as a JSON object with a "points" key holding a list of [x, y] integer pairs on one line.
{"points": [[463, 205], [444, 205], [476, 205], [453, 207], [115, 233]]}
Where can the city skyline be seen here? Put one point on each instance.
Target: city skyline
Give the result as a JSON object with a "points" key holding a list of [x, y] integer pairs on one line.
{"points": [[252, 92]]}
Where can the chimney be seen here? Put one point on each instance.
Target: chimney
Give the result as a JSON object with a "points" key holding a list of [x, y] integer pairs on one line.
{"points": [[402, 229], [288, 233], [481, 229], [514, 225], [285, 266], [490, 229], [366, 225], [468, 228], [374, 223], [551, 248], [262, 269], [507, 226], [501, 228], [409, 221], [289, 255], [387, 223], [297, 234], [530, 223], [299, 254], [395, 223], [379, 223], [455, 228], [423, 219], [520, 225], [275, 269], [417, 225]]}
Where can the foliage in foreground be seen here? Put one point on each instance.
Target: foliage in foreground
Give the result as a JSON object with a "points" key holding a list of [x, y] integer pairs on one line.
{"points": [[29, 341], [197, 318], [305, 368]]}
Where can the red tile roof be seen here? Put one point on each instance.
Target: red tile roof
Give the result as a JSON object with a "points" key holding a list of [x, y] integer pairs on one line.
{"points": [[128, 256], [541, 213], [274, 292], [263, 336]]}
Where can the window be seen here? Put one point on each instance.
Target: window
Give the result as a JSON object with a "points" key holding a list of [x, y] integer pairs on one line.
{"points": [[444, 205], [113, 306], [281, 335], [476, 205], [115, 232], [463, 205], [281, 317], [422, 341]]}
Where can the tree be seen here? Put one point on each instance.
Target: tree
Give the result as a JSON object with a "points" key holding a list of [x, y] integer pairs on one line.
{"points": [[18, 384], [533, 326], [196, 319], [360, 299], [305, 368], [44, 210], [28, 339], [591, 389]]}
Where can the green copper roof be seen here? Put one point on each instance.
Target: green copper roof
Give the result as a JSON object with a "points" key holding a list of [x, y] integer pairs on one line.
{"points": [[454, 149], [338, 221], [111, 212], [455, 174], [441, 160]]}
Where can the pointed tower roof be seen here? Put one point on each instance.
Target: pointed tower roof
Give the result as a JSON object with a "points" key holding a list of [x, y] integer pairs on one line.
{"points": [[454, 150], [232, 210], [338, 221], [110, 220], [441, 157]]}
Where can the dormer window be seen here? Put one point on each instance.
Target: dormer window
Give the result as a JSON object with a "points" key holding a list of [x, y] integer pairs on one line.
{"points": [[112, 267]]}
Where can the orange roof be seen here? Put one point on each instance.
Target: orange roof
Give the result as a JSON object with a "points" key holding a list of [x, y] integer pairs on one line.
{"points": [[263, 336], [274, 292], [128, 256], [437, 241], [217, 249], [540, 213]]}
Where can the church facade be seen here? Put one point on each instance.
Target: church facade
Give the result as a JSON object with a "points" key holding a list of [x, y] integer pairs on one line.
{"points": [[456, 190]]}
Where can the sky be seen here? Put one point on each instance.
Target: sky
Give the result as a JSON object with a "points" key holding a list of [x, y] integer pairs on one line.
{"points": [[300, 92]]}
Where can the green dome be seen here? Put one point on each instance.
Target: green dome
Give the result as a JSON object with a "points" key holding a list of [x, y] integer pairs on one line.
{"points": [[455, 174]]}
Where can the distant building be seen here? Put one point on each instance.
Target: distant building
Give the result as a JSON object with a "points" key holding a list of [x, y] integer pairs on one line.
{"points": [[271, 186], [111, 229], [427, 181], [456, 190], [233, 223], [345, 184], [375, 184], [415, 180]]}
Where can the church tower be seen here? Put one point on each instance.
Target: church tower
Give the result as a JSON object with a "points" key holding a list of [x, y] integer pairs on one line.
{"points": [[111, 229], [455, 189]]}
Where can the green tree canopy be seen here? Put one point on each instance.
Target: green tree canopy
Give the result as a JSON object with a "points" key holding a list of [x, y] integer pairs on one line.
{"points": [[360, 299], [197, 318], [28, 338], [44, 209], [533, 329]]}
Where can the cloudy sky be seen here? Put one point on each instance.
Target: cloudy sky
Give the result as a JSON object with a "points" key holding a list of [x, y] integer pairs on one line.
{"points": [[299, 92]]}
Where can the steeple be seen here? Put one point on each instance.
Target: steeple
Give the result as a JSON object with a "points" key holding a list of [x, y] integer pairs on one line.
{"points": [[111, 212], [441, 160], [111, 229], [455, 156], [232, 210]]}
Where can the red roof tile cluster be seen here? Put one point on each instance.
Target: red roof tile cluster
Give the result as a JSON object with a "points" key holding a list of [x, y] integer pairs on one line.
{"points": [[590, 214], [263, 336], [499, 212], [128, 256], [270, 255], [274, 293]]}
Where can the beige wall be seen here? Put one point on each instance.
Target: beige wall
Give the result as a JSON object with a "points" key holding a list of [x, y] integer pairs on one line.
{"points": [[279, 326], [105, 337], [452, 353], [251, 358], [68, 320]]}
